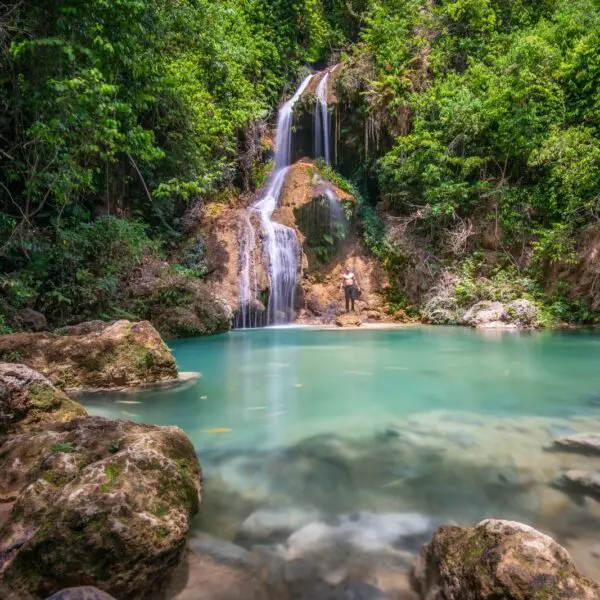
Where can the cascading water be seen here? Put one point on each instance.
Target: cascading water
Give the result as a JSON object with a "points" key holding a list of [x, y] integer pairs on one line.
{"points": [[279, 242], [322, 128]]}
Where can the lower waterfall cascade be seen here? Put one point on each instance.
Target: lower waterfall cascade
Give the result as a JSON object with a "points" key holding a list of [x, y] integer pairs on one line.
{"points": [[280, 247]]}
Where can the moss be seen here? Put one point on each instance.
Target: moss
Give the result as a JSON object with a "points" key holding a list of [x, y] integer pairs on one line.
{"points": [[67, 379], [163, 532], [11, 356], [63, 447], [97, 523], [43, 396], [161, 511], [112, 472], [182, 467]]}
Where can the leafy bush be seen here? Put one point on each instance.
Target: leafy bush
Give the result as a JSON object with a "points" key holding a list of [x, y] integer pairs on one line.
{"points": [[75, 272]]}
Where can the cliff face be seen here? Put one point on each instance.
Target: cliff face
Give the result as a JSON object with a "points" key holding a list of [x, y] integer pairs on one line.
{"points": [[324, 218]]}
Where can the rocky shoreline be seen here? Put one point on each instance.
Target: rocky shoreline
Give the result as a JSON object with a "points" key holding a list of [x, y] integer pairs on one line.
{"points": [[107, 505]]}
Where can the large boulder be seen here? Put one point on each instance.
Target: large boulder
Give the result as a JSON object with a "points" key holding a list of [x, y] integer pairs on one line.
{"points": [[94, 355], [522, 313], [28, 400], [484, 313], [94, 502], [498, 559]]}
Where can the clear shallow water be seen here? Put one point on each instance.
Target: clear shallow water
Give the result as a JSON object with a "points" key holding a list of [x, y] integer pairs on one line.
{"points": [[446, 422]]}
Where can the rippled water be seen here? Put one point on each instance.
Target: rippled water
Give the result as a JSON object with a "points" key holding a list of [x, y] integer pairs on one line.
{"points": [[308, 436]]}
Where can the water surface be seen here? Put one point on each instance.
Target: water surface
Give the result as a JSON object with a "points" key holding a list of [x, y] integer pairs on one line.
{"points": [[377, 428]]}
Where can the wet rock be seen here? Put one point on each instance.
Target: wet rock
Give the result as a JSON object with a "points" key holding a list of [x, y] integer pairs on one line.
{"points": [[95, 355], [579, 484], [95, 502], [349, 320], [498, 559], [271, 525], [363, 532], [580, 443], [31, 319], [484, 313], [81, 593], [28, 400], [595, 551]]}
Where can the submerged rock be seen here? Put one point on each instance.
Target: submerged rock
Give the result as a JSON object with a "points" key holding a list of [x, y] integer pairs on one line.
{"points": [[94, 355], [349, 320], [579, 484], [214, 569], [498, 559], [94, 501], [580, 443], [28, 400], [269, 525], [81, 593]]}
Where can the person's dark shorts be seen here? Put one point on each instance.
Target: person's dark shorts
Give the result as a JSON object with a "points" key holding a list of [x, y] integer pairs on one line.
{"points": [[350, 292]]}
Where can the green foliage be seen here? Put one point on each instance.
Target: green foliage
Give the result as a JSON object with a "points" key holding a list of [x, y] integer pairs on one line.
{"points": [[132, 109], [63, 447], [75, 272], [504, 102]]}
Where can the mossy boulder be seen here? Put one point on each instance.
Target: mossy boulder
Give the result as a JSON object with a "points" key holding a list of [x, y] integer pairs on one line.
{"points": [[94, 355], [28, 400], [498, 559], [94, 502]]}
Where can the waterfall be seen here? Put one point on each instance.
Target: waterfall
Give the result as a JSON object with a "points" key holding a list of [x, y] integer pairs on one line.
{"points": [[279, 242], [322, 128]]}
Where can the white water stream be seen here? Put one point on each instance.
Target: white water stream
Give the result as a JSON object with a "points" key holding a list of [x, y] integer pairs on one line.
{"points": [[279, 242], [323, 121]]}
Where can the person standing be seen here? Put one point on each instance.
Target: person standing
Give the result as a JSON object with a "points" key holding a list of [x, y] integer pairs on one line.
{"points": [[350, 287]]}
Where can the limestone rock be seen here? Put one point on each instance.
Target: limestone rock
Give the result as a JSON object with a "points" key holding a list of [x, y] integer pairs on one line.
{"points": [[349, 320], [581, 443], [31, 319], [498, 559], [269, 525], [522, 313], [97, 355], [81, 593], [28, 400], [579, 484], [483, 313], [95, 502]]}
